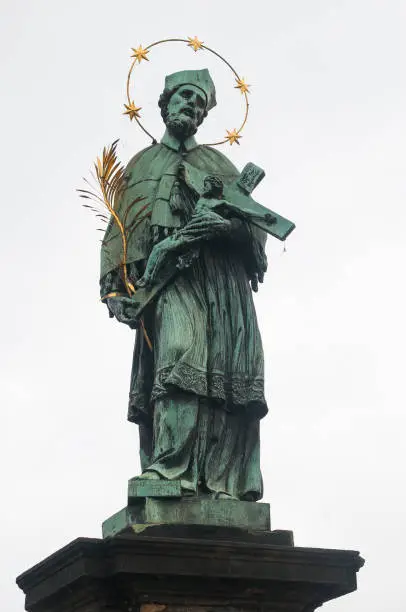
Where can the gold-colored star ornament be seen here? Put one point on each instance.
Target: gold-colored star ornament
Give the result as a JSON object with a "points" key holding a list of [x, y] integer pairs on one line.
{"points": [[140, 54], [242, 85], [195, 43], [132, 111], [233, 136]]}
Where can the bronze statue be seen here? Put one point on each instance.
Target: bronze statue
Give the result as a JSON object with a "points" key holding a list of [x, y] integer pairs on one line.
{"points": [[197, 382]]}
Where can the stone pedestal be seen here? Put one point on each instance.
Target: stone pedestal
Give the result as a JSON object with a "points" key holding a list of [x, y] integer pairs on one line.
{"points": [[172, 568], [153, 511]]}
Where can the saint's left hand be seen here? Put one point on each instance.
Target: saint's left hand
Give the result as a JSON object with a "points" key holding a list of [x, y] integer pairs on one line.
{"points": [[122, 308], [205, 224], [157, 259]]}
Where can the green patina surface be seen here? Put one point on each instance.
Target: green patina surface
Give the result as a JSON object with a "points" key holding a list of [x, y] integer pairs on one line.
{"points": [[196, 256], [153, 512], [138, 487]]}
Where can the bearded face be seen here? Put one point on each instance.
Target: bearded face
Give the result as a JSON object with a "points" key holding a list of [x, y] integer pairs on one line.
{"points": [[185, 111]]}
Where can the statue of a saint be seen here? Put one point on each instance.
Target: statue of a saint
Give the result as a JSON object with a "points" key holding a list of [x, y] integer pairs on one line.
{"points": [[198, 393]]}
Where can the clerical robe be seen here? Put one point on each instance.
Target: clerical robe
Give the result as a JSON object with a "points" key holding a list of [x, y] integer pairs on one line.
{"points": [[204, 378]]}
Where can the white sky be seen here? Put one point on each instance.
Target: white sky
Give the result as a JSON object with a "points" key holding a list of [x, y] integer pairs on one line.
{"points": [[328, 125]]}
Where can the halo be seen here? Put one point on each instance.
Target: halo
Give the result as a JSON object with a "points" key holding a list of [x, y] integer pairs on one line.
{"points": [[140, 54]]}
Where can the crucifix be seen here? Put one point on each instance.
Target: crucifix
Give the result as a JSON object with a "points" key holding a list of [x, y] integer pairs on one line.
{"points": [[233, 199]]}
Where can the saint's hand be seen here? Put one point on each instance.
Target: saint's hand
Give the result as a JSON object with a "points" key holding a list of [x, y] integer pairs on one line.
{"points": [[123, 310], [205, 224], [159, 257]]}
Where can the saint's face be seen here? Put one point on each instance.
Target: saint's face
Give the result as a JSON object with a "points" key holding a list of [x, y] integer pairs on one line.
{"points": [[185, 110]]}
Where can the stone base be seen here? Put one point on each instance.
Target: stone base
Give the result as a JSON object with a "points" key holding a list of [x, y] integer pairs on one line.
{"points": [[189, 511], [140, 488], [198, 570]]}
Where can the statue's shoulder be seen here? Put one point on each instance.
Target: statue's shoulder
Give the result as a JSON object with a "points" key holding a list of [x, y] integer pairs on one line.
{"points": [[212, 160], [144, 157], [216, 154]]}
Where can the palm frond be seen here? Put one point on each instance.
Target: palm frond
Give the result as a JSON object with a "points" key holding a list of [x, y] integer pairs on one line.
{"points": [[109, 177]]}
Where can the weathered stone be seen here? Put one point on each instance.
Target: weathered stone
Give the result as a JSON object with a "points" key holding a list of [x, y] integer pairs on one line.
{"points": [[120, 521], [189, 511], [219, 512], [222, 569], [139, 487], [124, 525]]}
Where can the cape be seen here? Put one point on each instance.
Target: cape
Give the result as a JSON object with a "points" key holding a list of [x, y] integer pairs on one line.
{"points": [[144, 202]]}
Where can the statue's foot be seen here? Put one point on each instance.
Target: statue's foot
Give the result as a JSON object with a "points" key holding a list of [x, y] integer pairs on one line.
{"points": [[149, 475], [223, 495], [251, 497]]}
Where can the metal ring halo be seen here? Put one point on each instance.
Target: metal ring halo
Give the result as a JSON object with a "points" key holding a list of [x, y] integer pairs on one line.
{"points": [[234, 135]]}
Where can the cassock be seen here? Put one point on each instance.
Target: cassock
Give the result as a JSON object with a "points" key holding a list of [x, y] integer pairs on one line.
{"points": [[198, 395]]}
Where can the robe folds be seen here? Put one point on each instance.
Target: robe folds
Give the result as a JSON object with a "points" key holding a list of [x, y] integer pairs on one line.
{"points": [[207, 359]]}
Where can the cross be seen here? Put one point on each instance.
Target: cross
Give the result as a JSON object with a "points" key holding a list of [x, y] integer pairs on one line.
{"points": [[237, 197]]}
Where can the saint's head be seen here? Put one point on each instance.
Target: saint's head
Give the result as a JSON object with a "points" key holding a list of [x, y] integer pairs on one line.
{"points": [[187, 98]]}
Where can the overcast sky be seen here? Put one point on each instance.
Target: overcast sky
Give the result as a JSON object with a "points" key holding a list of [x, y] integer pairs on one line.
{"points": [[328, 124]]}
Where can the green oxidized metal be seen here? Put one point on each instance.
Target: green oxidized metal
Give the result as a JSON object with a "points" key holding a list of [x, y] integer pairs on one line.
{"points": [[198, 395]]}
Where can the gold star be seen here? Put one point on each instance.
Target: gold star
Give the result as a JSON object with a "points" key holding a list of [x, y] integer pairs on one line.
{"points": [[140, 54], [195, 43], [132, 111], [233, 136], [242, 86]]}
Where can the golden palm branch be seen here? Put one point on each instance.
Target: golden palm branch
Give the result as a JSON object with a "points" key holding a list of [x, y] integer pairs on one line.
{"points": [[111, 183]]}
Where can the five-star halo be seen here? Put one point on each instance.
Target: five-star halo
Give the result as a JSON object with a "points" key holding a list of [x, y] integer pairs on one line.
{"points": [[140, 53]]}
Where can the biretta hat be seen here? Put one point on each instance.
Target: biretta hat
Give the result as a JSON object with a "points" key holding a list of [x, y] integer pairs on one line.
{"points": [[197, 78]]}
